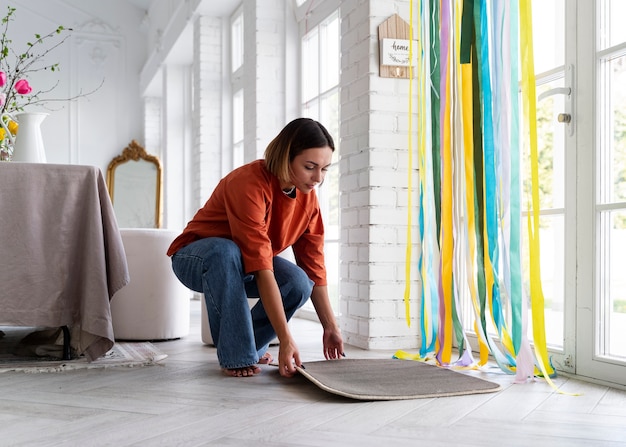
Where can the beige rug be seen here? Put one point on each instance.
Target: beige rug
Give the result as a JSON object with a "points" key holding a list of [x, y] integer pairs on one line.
{"points": [[391, 379], [128, 354]]}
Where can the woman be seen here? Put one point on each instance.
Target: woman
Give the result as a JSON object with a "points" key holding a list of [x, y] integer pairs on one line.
{"points": [[228, 251]]}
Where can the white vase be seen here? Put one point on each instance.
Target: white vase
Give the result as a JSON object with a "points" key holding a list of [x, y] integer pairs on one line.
{"points": [[28, 141]]}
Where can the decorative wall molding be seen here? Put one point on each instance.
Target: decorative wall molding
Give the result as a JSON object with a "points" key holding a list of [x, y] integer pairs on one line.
{"points": [[97, 26]]}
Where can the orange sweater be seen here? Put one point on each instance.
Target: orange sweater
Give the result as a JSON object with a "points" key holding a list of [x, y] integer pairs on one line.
{"points": [[249, 208]]}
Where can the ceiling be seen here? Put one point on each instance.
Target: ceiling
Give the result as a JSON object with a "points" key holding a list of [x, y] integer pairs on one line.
{"points": [[181, 53], [213, 8], [141, 4]]}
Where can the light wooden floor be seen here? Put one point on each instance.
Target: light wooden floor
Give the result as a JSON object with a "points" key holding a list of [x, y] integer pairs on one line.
{"points": [[186, 401]]}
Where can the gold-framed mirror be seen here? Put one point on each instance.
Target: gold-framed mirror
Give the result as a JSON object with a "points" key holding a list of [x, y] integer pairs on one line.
{"points": [[134, 183]]}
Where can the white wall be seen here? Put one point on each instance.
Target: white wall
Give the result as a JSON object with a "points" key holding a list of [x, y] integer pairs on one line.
{"points": [[373, 184], [106, 45]]}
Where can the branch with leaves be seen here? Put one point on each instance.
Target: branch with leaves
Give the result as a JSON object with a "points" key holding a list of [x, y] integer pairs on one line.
{"points": [[15, 67]]}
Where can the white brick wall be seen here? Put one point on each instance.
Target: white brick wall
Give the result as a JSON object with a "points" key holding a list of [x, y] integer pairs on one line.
{"points": [[374, 178], [206, 164], [264, 74]]}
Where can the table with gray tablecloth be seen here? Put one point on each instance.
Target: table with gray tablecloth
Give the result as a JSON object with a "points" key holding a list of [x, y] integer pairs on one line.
{"points": [[61, 254]]}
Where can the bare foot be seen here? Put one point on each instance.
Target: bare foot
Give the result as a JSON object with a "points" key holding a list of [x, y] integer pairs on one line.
{"points": [[246, 371], [266, 359]]}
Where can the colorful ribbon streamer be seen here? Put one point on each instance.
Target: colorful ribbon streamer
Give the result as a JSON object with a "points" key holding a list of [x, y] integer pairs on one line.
{"points": [[468, 147]]}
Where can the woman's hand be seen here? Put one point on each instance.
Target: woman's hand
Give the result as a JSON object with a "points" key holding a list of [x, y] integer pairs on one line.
{"points": [[288, 358], [288, 355], [333, 344]]}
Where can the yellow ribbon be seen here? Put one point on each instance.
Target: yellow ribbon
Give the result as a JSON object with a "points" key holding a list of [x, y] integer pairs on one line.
{"points": [[407, 269], [530, 116]]}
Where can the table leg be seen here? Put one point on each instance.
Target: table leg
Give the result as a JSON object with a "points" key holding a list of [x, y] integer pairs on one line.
{"points": [[67, 353]]}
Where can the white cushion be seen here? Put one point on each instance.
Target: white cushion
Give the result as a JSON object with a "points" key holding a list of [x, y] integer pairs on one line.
{"points": [[207, 338], [155, 304]]}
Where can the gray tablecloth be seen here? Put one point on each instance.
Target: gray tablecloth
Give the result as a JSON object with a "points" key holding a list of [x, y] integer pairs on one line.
{"points": [[61, 254]]}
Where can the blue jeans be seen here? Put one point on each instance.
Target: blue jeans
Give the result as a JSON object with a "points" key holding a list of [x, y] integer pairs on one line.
{"points": [[214, 266]]}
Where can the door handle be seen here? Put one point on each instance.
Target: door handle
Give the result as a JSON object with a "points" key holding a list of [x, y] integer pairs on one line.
{"points": [[555, 91], [567, 116]]}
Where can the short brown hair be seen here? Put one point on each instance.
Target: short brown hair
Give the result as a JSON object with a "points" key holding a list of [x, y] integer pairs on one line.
{"points": [[297, 136]]}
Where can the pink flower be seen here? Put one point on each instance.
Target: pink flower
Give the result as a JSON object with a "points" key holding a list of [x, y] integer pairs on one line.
{"points": [[22, 87], [3, 78]]}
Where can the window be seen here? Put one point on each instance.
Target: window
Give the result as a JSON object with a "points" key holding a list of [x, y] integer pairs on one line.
{"points": [[236, 36], [237, 64], [320, 101], [611, 183], [238, 129]]}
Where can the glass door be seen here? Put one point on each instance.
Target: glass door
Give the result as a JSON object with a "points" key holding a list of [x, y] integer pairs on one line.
{"points": [[580, 65], [601, 310]]}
